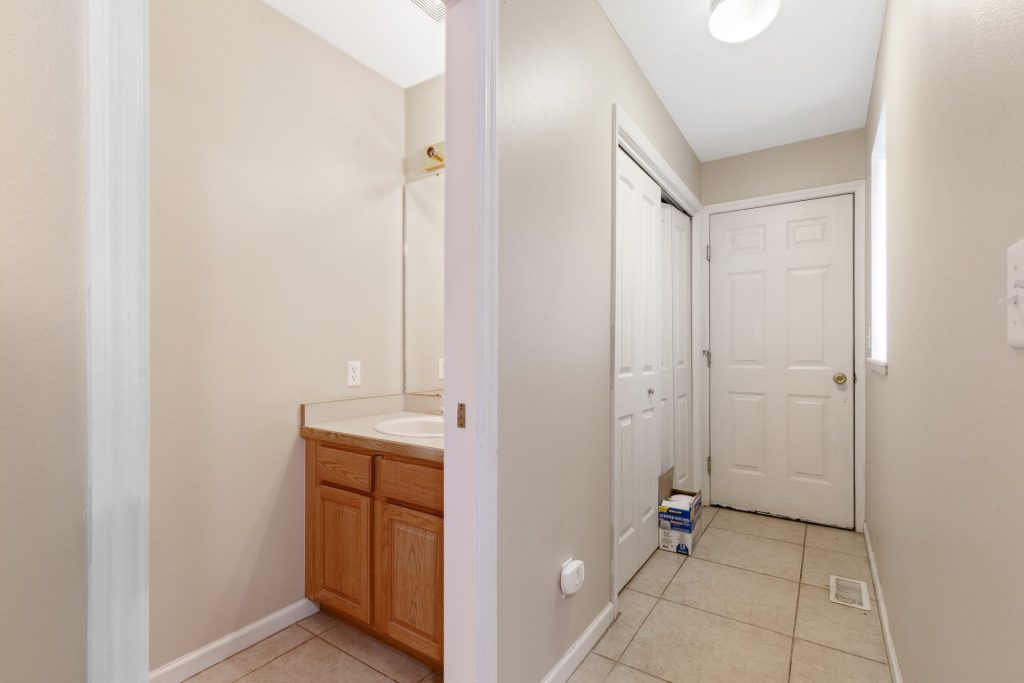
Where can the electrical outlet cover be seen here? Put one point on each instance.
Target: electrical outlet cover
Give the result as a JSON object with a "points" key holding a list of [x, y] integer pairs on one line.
{"points": [[353, 375]]}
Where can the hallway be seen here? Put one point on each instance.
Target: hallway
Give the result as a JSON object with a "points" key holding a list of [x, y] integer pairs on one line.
{"points": [[751, 604]]}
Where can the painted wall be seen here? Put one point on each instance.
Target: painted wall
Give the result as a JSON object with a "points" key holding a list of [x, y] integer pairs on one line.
{"points": [[424, 122], [555, 151], [821, 161], [945, 435], [43, 271], [276, 257]]}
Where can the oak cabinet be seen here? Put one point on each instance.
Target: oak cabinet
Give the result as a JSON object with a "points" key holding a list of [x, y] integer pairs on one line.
{"points": [[342, 558], [375, 544], [409, 574]]}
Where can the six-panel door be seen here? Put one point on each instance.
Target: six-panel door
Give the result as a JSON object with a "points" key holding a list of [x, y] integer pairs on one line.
{"points": [[409, 577], [342, 555], [782, 348]]}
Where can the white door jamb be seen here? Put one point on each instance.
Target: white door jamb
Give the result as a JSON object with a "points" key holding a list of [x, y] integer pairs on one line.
{"points": [[470, 339], [118, 342]]}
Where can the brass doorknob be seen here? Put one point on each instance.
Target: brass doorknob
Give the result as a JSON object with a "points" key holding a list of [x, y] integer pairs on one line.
{"points": [[839, 378]]}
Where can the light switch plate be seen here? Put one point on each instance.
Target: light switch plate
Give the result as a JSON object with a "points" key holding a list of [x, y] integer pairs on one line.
{"points": [[1015, 311]]}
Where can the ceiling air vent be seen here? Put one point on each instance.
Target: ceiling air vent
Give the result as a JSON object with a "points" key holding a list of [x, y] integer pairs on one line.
{"points": [[433, 8]]}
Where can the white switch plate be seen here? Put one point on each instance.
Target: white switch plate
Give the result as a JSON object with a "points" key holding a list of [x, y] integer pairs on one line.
{"points": [[1015, 311], [354, 374], [440, 368]]}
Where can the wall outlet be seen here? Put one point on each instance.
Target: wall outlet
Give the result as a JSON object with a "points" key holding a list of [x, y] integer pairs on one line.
{"points": [[354, 374], [440, 368]]}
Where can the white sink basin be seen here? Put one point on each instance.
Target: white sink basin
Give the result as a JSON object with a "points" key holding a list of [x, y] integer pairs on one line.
{"points": [[422, 426]]}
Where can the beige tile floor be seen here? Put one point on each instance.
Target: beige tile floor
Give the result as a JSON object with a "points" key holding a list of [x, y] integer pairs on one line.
{"points": [[751, 604], [319, 649]]}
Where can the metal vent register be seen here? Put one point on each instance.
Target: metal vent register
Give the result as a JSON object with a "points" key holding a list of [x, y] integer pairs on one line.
{"points": [[849, 592]]}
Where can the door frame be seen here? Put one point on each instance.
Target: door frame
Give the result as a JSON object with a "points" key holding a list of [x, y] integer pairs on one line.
{"points": [[702, 292], [117, 622], [118, 386], [631, 139]]}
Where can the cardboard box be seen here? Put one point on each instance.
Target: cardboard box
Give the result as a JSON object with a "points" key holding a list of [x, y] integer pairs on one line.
{"points": [[679, 525]]}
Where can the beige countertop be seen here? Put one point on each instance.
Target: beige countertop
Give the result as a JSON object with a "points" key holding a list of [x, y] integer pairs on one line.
{"points": [[359, 432]]}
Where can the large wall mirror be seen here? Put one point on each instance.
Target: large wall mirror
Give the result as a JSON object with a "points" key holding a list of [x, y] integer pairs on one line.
{"points": [[424, 284]]}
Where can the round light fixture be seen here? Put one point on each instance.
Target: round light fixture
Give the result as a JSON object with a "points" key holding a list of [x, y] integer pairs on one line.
{"points": [[734, 21]]}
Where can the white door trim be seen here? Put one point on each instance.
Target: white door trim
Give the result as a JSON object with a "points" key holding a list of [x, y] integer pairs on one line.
{"points": [[857, 189], [118, 342], [632, 140], [471, 337]]}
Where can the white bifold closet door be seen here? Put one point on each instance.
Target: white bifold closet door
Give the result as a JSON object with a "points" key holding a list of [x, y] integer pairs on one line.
{"points": [[677, 433], [652, 326]]}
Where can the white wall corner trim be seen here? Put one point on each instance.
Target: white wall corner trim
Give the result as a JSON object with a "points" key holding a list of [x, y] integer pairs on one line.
{"points": [[190, 664], [118, 342], [700, 291], [883, 613], [565, 666]]}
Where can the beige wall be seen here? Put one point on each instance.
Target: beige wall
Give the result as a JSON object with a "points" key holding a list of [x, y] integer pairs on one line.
{"points": [[276, 257], [556, 145], [822, 161], [945, 434], [424, 121], [43, 269]]}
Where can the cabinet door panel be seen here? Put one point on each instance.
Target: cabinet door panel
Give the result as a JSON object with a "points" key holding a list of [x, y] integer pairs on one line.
{"points": [[410, 578], [343, 552]]}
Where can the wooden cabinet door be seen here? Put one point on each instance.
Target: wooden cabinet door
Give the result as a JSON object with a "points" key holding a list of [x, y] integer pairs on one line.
{"points": [[410, 578], [341, 558]]}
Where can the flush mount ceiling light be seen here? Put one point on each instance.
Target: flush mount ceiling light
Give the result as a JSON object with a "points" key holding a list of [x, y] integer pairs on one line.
{"points": [[734, 21]]}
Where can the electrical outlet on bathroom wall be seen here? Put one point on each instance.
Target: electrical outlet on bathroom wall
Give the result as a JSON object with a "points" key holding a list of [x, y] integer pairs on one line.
{"points": [[354, 374], [440, 368]]}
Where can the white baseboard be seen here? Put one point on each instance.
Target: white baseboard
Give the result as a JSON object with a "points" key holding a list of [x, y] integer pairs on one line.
{"points": [[192, 663], [582, 647], [883, 614]]}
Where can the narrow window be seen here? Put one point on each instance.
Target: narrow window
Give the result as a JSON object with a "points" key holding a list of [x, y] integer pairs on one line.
{"points": [[879, 237]]}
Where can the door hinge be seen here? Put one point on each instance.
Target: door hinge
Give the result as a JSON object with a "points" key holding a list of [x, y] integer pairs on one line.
{"points": [[709, 465], [707, 356], [707, 254]]}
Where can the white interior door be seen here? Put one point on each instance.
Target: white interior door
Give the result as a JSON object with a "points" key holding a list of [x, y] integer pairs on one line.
{"points": [[676, 322], [638, 382], [781, 344]]}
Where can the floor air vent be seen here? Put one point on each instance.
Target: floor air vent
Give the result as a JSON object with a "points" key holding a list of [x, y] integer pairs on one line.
{"points": [[849, 592]]}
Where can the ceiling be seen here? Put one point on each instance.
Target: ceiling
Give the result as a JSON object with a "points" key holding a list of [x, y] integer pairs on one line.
{"points": [[809, 74], [395, 38]]}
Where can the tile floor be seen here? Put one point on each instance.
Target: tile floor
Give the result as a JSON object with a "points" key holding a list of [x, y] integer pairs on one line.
{"points": [[319, 648], [751, 604]]}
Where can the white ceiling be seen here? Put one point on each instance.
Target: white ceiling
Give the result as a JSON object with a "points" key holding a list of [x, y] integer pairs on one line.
{"points": [[395, 38], [808, 75]]}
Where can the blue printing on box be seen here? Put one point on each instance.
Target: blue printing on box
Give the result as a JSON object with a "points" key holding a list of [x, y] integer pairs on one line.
{"points": [[681, 519]]}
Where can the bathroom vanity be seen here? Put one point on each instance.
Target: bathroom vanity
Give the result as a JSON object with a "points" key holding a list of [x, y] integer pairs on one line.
{"points": [[375, 528]]}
